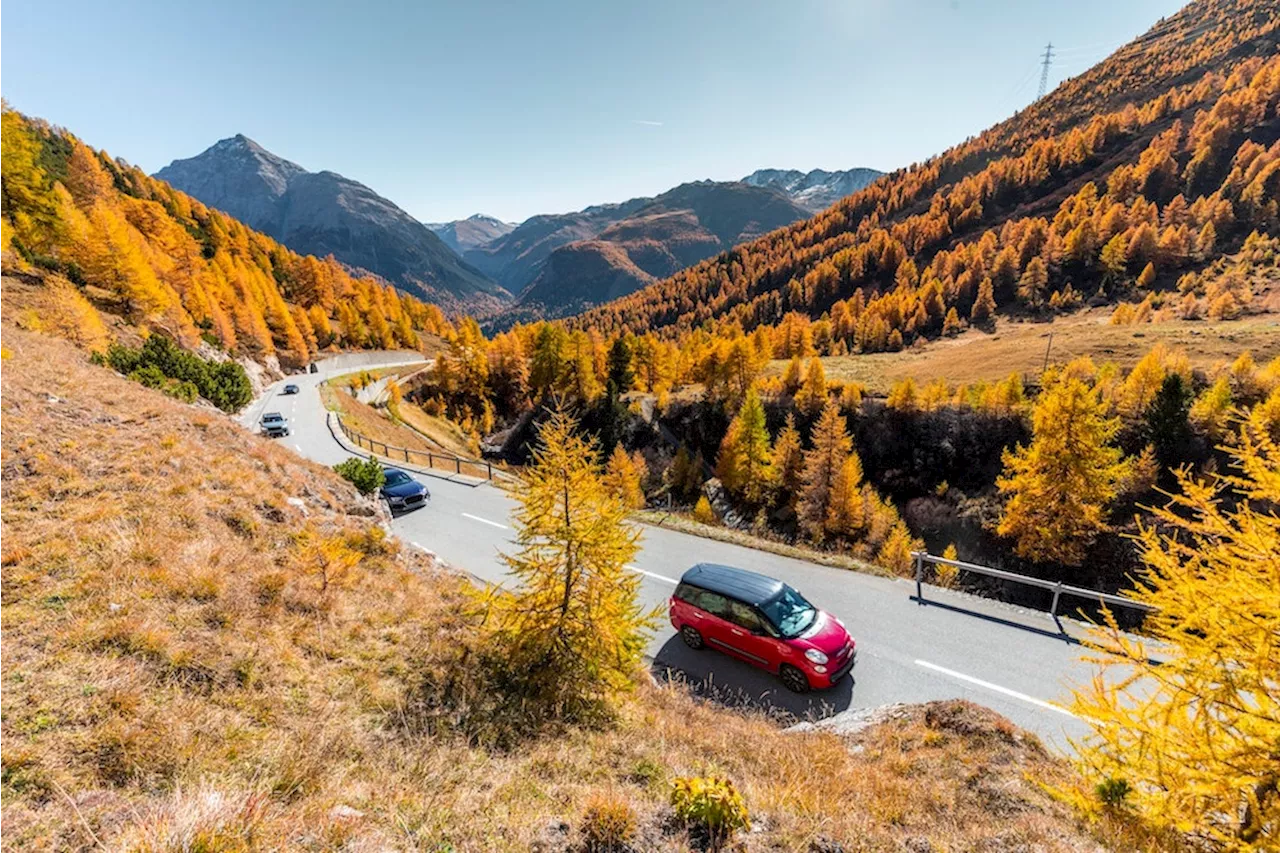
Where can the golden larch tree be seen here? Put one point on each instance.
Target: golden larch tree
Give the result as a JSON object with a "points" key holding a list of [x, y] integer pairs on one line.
{"points": [[745, 464], [1060, 486], [623, 477], [788, 460], [822, 467], [1186, 722], [812, 395], [845, 514], [572, 632]]}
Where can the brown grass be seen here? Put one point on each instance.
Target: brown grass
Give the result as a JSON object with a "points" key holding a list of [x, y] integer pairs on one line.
{"points": [[686, 523], [369, 421], [442, 432], [1019, 347], [209, 646]]}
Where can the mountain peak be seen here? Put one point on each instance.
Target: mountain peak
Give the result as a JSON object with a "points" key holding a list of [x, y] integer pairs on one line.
{"points": [[323, 213], [816, 189], [240, 142]]}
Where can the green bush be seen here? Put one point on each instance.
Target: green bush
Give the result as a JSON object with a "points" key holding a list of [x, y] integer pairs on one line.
{"points": [[712, 805], [229, 387], [153, 377], [1113, 792], [223, 383], [150, 376], [365, 474]]}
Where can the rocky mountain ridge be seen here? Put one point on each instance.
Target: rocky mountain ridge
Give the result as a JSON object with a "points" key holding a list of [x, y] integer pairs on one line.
{"points": [[322, 213]]}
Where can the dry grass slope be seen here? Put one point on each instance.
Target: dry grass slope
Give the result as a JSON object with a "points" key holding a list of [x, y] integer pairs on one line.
{"points": [[1019, 347], [209, 645]]}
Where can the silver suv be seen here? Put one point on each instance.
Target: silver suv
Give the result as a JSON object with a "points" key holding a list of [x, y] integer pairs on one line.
{"points": [[274, 425]]}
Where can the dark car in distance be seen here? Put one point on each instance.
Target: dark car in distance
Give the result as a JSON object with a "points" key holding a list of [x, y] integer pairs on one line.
{"points": [[764, 622], [289, 389], [401, 492], [274, 425]]}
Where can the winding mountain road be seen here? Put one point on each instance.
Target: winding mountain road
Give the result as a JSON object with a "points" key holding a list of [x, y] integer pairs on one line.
{"points": [[955, 646]]}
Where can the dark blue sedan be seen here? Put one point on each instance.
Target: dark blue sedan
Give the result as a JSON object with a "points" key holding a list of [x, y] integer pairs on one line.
{"points": [[401, 492]]}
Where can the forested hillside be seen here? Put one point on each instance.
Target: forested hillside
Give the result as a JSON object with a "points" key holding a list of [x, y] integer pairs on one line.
{"points": [[1125, 182], [137, 247]]}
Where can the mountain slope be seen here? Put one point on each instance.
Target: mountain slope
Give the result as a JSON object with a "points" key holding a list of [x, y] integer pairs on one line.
{"points": [[513, 259], [321, 213], [670, 232], [515, 255], [136, 247], [815, 190], [1120, 183], [463, 235]]}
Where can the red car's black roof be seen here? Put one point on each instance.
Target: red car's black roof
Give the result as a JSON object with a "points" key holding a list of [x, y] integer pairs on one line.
{"points": [[748, 587]]}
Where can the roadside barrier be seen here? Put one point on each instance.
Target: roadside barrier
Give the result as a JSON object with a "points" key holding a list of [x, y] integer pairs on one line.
{"points": [[1058, 588]]}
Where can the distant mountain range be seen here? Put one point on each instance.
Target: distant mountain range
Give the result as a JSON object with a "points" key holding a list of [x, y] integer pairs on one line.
{"points": [[560, 263], [815, 190], [652, 241], [322, 213], [552, 264], [461, 235]]}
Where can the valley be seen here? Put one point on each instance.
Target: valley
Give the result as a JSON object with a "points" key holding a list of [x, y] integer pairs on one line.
{"points": [[509, 272], [755, 492]]}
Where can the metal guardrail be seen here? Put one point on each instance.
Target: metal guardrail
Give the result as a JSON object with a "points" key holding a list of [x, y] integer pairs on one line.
{"points": [[1058, 588], [480, 467]]}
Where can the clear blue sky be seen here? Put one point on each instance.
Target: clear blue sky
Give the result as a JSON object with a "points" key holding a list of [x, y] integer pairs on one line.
{"points": [[516, 108]]}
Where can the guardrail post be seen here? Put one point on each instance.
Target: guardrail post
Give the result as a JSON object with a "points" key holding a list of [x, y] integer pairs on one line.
{"points": [[457, 464], [1057, 593], [489, 466], [919, 578], [406, 454]]}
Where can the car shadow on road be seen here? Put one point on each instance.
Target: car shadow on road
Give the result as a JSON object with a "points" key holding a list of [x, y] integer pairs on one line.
{"points": [[731, 682]]}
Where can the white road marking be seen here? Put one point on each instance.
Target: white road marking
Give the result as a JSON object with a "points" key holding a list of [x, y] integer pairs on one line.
{"points": [[662, 578], [1049, 706], [484, 520]]}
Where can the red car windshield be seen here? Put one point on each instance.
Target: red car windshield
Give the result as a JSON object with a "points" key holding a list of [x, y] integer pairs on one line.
{"points": [[790, 613]]}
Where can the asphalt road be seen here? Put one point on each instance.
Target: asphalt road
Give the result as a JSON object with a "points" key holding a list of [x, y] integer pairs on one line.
{"points": [[955, 646]]}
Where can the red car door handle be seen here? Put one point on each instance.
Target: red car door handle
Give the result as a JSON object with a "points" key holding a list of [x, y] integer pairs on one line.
{"points": [[737, 633]]}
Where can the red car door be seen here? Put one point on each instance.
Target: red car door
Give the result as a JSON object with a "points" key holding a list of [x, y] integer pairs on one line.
{"points": [[747, 635], [712, 610]]}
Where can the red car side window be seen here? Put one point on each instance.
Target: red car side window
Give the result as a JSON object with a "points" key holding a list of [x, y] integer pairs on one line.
{"points": [[745, 617], [716, 605]]}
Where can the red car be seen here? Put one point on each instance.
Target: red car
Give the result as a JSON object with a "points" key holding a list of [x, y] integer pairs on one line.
{"points": [[764, 622]]}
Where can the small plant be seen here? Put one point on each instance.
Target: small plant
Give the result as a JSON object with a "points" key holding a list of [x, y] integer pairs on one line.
{"points": [[712, 805], [608, 825], [702, 511], [1113, 792], [947, 575], [648, 773], [365, 474]]}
